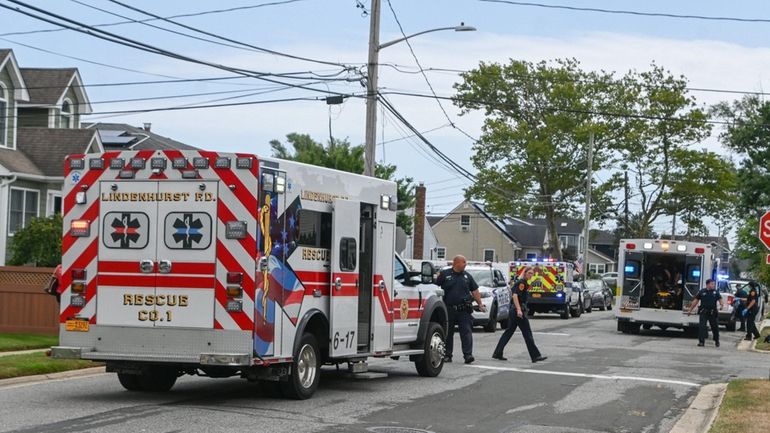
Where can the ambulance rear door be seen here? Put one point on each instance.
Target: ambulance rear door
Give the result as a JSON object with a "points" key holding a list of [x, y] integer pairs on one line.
{"points": [[343, 299]]}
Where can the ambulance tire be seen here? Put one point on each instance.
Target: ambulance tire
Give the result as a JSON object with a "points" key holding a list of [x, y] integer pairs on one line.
{"points": [[565, 313], [305, 374], [130, 381], [157, 379], [647, 326], [431, 362], [492, 323], [576, 312]]}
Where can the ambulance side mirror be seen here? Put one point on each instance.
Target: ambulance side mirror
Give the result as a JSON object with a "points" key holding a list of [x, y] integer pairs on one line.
{"points": [[426, 273]]}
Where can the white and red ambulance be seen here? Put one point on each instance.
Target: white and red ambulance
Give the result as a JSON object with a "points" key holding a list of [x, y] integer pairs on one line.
{"points": [[221, 264]]}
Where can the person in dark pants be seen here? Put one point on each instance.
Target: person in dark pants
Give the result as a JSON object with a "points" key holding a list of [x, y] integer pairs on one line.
{"points": [[740, 305], [460, 289], [752, 308], [707, 298], [518, 319]]}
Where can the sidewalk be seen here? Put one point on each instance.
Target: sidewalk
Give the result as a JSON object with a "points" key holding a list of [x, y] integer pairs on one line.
{"points": [[749, 345]]}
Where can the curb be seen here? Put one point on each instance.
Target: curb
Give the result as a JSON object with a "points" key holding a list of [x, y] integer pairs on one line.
{"points": [[703, 410], [753, 344], [84, 372], [22, 352]]}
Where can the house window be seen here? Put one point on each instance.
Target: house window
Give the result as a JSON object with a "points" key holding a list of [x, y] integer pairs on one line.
{"points": [[66, 117], [567, 241], [3, 116], [489, 255], [23, 207], [596, 268], [465, 222], [53, 204], [440, 253]]}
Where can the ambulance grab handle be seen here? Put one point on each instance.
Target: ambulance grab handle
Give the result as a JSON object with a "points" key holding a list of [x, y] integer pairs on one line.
{"points": [[382, 285], [147, 266], [338, 283], [164, 266]]}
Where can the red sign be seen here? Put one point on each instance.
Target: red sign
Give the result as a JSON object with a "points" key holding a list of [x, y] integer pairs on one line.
{"points": [[764, 229]]}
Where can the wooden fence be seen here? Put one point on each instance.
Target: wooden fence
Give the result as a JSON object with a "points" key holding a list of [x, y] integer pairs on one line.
{"points": [[24, 306]]}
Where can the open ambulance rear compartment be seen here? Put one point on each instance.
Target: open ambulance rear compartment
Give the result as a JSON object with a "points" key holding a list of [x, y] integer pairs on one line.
{"points": [[659, 280]]}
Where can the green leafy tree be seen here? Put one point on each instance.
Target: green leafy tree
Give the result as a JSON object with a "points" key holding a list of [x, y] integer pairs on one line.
{"points": [[748, 135], [667, 175], [38, 244], [532, 154], [340, 155]]}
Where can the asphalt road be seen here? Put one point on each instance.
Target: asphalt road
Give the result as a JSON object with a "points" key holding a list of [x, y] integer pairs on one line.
{"points": [[595, 379]]}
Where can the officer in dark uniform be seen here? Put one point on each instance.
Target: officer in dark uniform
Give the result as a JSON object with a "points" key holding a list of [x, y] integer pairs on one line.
{"points": [[518, 319], [707, 298], [460, 289], [739, 305], [752, 308]]}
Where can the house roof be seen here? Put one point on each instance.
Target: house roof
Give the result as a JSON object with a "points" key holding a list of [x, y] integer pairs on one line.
{"points": [[47, 147], [17, 162], [122, 136], [600, 255], [47, 85], [499, 223], [528, 236], [718, 240], [7, 59], [563, 225], [4, 52], [602, 237], [433, 220]]}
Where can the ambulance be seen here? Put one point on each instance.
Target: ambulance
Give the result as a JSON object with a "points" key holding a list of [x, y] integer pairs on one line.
{"points": [[222, 264], [657, 281], [551, 288]]}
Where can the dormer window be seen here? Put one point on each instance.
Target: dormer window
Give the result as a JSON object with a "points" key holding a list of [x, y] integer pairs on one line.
{"points": [[66, 117], [4, 115]]}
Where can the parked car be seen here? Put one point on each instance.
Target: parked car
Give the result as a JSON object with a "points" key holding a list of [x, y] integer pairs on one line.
{"points": [[599, 294], [494, 290], [584, 296], [611, 278]]}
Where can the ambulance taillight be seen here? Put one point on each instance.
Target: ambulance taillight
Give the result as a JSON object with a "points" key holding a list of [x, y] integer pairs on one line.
{"points": [[78, 284], [234, 291], [80, 228]]}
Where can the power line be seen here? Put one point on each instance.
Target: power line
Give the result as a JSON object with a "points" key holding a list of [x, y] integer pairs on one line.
{"points": [[636, 13], [261, 49], [121, 40], [424, 75], [193, 14]]}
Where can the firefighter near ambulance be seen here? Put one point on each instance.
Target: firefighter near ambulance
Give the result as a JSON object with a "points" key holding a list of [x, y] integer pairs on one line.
{"points": [[221, 264]]}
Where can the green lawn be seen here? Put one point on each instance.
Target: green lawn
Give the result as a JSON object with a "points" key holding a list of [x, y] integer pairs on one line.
{"points": [[745, 408], [30, 364], [761, 345], [10, 342]]}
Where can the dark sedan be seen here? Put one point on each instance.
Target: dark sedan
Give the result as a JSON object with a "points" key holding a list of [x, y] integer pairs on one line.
{"points": [[601, 295]]}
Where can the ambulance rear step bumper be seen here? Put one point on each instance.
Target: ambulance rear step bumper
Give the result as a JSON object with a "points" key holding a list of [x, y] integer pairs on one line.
{"points": [[222, 359]]}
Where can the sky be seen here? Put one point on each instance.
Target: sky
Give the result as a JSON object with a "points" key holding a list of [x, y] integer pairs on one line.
{"points": [[711, 54]]}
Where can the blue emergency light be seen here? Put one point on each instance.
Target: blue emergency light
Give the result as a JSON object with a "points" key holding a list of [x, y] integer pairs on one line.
{"points": [[630, 269], [696, 273]]}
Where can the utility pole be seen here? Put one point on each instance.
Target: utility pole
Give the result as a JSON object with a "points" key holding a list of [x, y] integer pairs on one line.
{"points": [[673, 226], [587, 223], [371, 89], [625, 204]]}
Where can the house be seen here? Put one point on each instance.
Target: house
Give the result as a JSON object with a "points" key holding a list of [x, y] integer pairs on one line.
{"points": [[120, 136], [40, 113], [470, 231], [405, 243]]}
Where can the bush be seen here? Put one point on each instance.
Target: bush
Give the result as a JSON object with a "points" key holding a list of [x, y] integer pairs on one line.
{"points": [[38, 244]]}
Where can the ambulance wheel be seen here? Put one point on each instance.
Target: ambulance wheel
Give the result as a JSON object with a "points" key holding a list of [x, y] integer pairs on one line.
{"points": [[577, 311], [492, 324], [130, 381], [647, 326], [432, 360], [157, 379], [306, 371], [565, 313]]}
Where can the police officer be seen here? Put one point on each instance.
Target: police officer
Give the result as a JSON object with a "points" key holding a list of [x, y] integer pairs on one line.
{"points": [[752, 308], [707, 298], [518, 318], [740, 306], [460, 289]]}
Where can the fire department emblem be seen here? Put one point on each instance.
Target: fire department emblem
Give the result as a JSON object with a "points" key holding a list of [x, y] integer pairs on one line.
{"points": [[126, 230], [404, 309], [188, 230]]}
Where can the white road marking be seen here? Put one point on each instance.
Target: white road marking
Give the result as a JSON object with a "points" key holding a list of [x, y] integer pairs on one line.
{"points": [[560, 334], [523, 408], [590, 376]]}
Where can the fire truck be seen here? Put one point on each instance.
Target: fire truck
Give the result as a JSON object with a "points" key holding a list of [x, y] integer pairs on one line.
{"points": [[222, 264], [551, 288], [657, 281]]}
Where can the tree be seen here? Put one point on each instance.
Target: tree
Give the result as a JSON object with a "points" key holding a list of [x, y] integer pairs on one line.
{"points": [[748, 135], [340, 155], [532, 155], [669, 176], [38, 244]]}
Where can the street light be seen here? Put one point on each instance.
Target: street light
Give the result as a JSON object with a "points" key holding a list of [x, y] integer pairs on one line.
{"points": [[371, 82]]}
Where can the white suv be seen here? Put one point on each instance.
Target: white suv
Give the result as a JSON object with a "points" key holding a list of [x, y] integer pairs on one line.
{"points": [[495, 295]]}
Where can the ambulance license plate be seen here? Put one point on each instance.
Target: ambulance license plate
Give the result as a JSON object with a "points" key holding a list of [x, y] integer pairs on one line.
{"points": [[536, 295], [76, 325]]}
